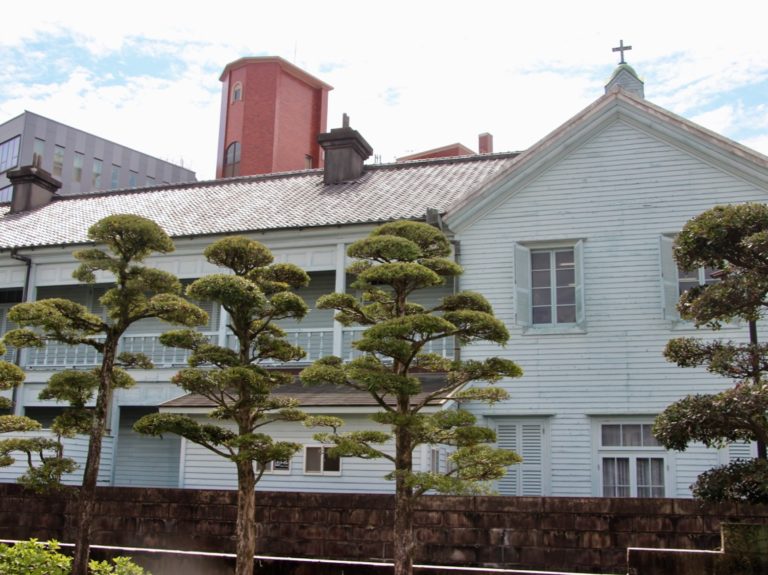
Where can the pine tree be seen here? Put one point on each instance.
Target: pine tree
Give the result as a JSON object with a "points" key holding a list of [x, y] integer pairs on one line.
{"points": [[138, 292], [393, 262], [236, 381]]}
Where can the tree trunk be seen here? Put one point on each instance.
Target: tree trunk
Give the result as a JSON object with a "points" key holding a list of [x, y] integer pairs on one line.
{"points": [[402, 537], [91, 473], [246, 518]]}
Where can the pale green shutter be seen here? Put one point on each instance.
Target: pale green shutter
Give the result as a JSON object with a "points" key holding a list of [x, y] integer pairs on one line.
{"points": [[669, 278], [578, 259], [527, 440], [523, 285]]}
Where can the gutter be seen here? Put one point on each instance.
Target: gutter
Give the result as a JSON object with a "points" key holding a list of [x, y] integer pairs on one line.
{"points": [[24, 295]]}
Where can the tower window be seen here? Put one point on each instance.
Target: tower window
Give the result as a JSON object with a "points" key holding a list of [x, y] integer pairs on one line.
{"points": [[237, 92], [232, 160]]}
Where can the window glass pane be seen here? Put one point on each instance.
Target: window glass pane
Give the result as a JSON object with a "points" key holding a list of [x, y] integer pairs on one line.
{"points": [[9, 153], [566, 277], [115, 176], [564, 259], [648, 439], [541, 296], [611, 435], [38, 149], [132, 178], [330, 463], [540, 261], [631, 435], [313, 460], [566, 296], [96, 179], [616, 477], [708, 279], [542, 315], [541, 278], [566, 314], [650, 477], [77, 167], [58, 160]]}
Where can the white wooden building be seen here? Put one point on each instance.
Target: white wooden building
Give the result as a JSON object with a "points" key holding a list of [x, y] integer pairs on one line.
{"points": [[570, 240]]}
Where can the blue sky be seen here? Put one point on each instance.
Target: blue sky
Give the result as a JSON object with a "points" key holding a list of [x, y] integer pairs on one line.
{"points": [[411, 75]]}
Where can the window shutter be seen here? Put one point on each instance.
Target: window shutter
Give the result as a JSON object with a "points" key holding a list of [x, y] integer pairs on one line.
{"points": [[740, 450], [523, 285], [578, 258], [669, 278], [526, 439]]}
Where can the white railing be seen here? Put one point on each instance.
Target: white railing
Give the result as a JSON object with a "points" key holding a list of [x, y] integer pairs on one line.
{"points": [[443, 347], [60, 355], [316, 342]]}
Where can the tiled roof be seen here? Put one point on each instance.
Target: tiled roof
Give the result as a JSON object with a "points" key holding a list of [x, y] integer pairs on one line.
{"points": [[320, 395], [258, 203]]}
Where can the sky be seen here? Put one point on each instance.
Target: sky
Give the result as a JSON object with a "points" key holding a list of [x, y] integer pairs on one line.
{"points": [[412, 75]]}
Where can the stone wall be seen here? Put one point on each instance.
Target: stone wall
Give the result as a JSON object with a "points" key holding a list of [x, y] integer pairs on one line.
{"points": [[588, 535]]}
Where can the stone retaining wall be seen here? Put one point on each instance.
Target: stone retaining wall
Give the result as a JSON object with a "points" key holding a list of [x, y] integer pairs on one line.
{"points": [[589, 535]]}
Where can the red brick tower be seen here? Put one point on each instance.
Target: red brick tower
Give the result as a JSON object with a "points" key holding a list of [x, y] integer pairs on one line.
{"points": [[271, 115]]}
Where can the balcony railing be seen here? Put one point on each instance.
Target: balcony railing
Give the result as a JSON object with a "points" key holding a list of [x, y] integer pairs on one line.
{"points": [[315, 342]]}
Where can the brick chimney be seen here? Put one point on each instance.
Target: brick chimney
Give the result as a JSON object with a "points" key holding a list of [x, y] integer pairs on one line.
{"points": [[33, 188], [485, 143], [345, 152]]}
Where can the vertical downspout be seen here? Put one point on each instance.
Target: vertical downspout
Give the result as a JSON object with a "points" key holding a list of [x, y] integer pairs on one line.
{"points": [[24, 294], [456, 289]]}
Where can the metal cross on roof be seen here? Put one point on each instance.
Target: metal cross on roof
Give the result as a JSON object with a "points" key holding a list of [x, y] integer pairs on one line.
{"points": [[621, 48]]}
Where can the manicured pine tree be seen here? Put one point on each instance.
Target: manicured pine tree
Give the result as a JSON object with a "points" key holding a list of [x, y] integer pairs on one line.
{"points": [[734, 241], [239, 381], [138, 292], [394, 261]]}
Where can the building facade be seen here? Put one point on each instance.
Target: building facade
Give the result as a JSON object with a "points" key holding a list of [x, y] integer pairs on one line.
{"points": [[82, 162], [569, 240], [271, 115]]}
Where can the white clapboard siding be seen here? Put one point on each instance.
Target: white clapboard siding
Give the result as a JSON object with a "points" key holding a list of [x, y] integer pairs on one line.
{"points": [[75, 448], [621, 193], [144, 461], [202, 469]]}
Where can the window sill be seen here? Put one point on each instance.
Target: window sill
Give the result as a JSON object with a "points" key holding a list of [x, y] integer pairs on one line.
{"points": [[554, 330]]}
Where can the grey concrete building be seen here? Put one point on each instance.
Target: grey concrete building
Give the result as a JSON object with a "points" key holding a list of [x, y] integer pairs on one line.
{"points": [[81, 161]]}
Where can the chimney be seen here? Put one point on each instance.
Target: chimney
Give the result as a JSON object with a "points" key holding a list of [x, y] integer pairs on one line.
{"points": [[345, 151], [33, 188], [485, 143]]}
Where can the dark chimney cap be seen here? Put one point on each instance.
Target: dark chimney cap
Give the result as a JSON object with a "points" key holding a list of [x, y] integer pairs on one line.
{"points": [[345, 152], [33, 188]]}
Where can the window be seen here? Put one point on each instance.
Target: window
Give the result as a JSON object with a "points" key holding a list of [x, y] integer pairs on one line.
{"points": [[676, 281], [38, 151], [58, 160], [132, 178], [150, 181], [9, 153], [237, 92], [232, 160], [308, 162], [527, 439], [77, 167], [96, 178], [276, 467], [317, 460], [6, 194], [434, 460], [549, 285], [631, 461], [115, 179]]}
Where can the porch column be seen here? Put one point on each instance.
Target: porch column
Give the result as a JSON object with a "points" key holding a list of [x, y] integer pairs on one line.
{"points": [[340, 287]]}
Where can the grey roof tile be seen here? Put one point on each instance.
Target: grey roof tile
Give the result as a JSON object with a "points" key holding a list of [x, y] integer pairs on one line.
{"points": [[259, 203]]}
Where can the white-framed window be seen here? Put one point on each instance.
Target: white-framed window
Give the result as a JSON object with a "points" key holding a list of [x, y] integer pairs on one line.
{"points": [[675, 281], [276, 467], [77, 167], [115, 176], [9, 153], [630, 462], [96, 176], [38, 150], [58, 160], [527, 438], [549, 284], [317, 461]]}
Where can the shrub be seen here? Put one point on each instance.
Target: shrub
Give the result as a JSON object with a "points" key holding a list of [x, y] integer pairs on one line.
{"points": [[742, 480], [35, 558]]}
